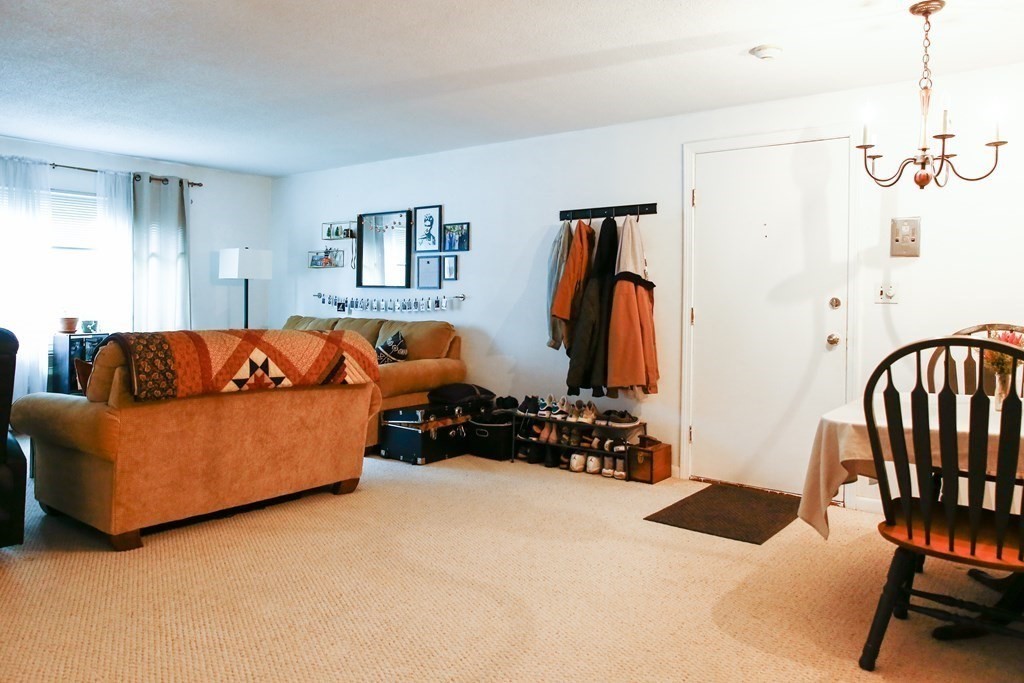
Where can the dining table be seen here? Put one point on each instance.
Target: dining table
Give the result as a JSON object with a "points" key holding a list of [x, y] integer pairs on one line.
{"points": [[841, 451]]}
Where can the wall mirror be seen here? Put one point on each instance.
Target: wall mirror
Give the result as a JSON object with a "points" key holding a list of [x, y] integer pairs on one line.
{"points": [[383, 245]]}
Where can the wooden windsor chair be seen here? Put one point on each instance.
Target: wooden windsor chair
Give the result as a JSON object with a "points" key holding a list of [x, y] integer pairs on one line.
{"points": [[963, 375], [916, 521]]}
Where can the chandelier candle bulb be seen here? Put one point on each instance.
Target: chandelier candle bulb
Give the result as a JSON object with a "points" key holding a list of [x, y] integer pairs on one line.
{"points": [[945, 121]]}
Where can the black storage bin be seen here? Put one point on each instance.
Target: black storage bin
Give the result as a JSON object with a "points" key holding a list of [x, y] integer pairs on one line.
{"points": [[490, 436]]}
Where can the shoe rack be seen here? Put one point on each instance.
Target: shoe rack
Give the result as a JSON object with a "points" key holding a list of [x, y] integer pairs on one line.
{"points": [[624, 433]]}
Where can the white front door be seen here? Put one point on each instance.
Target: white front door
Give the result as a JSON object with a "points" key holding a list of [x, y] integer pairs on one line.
{"points": [[770, 272]]}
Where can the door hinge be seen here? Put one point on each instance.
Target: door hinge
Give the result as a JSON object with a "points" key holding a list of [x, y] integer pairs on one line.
{"points": [[691, 434], [693, 197], [691, 316]]}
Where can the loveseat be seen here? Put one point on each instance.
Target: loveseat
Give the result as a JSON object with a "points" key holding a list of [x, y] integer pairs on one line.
{"points": [[434, 357], [121, 465]]}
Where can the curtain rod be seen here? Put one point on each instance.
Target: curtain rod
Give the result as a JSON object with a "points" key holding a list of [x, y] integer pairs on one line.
{"points": [[93, 170]]}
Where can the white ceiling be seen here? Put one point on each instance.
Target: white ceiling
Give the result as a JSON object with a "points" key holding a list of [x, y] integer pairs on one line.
{"points": [[276, 88]]}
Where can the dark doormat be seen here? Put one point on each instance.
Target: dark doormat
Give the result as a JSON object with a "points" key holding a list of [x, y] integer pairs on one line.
{"points": [[742, 514]]}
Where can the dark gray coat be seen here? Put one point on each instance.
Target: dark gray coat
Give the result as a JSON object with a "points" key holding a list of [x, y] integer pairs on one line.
{"points": [[588, 357]]}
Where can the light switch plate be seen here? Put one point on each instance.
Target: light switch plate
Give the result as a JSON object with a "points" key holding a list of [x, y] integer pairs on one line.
{"points": [[905, 237]]}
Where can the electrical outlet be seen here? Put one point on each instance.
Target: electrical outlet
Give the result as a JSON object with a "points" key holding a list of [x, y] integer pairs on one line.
{"points": [[905, 237], [885, 293]]}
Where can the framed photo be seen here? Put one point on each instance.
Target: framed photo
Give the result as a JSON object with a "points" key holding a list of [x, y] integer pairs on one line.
{"points": [[427, 220], [384, 249], [455, 237], [450, 267], [428, 272], [328, 258]]}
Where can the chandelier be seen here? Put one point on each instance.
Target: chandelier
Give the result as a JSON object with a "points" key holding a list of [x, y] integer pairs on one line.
{"points": [[931, 167]]}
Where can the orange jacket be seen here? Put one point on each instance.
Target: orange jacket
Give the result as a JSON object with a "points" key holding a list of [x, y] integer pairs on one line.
{"points": [[632, 349], [566, 303]]}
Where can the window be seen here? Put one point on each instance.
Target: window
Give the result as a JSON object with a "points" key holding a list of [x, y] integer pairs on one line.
{"points": [[74, 220]]}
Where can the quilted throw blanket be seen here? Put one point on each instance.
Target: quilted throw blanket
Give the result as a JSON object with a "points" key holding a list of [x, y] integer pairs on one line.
{"points": [[179, 364]]}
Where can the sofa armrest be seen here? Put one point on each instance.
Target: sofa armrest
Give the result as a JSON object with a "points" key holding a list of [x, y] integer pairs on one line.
{"points": [[69, 421], [411, 376]]}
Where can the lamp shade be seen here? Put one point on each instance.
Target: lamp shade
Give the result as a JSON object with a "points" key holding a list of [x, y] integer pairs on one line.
{"points": [[243, 263]]}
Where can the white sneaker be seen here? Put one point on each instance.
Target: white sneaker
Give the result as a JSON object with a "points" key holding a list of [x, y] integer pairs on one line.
{"points": [[577, 462], [620, 468], [546, 406], [594, 464], [608, 468], [588, 414], [560, 411]]}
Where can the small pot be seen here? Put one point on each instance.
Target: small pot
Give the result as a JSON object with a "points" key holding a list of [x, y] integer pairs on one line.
{"points": [[68, 325]]}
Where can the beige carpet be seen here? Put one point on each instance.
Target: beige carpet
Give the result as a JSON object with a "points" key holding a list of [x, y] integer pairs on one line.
{"points": [[466, 570]]}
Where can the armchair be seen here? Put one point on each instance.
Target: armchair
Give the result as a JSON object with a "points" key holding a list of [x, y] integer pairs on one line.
{"points": [[12, 460]]}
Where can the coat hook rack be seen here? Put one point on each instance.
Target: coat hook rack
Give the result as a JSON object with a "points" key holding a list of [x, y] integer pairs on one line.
{"points": [[608, 212]]}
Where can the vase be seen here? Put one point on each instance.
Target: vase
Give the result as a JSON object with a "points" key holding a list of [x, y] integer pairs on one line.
{"points": [[1002, 389]]}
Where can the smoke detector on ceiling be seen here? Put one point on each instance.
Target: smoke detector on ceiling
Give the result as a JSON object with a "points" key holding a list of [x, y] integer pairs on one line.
{"points": [[766, 51]]}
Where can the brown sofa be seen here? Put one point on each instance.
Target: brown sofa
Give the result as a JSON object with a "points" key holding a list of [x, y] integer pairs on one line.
{"points": [[434, 357], [120, 465]]}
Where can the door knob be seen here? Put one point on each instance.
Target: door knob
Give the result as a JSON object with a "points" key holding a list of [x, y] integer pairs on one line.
{"points": [[834, 302], [832, 339]]}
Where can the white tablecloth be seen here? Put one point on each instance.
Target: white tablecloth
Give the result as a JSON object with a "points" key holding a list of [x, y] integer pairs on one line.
{"points": [[842, 451]]}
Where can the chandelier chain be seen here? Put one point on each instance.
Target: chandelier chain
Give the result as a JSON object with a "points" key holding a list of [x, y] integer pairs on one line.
{"points": [[926, 70]]}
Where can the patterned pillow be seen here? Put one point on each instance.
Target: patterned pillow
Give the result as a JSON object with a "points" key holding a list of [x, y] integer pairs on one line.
{"points": [[392, 349]]}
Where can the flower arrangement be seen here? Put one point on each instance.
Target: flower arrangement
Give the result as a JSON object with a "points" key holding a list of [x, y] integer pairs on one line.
{"points": [[1000, 363]]}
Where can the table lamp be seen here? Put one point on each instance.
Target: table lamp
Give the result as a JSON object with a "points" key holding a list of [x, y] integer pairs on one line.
{"points": [[243, 263]]}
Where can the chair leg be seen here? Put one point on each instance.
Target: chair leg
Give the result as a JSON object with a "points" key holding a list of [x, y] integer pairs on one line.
{"points": [[348, 486], [902, 567], [900, 609]]}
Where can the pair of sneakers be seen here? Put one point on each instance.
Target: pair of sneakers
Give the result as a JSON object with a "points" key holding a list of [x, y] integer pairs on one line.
{"points": [[584, 462], [580, 462], [506, 404], [617, 418], [564, 409], [613, 467], [529, 406]]}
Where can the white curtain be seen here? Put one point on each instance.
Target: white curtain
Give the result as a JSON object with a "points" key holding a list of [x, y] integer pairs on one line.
{"points": [[29, 302], [161, 259], [114, 216]]}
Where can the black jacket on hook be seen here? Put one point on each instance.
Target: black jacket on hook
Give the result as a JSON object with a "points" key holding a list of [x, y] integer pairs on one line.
{"points": [[588, 358]]}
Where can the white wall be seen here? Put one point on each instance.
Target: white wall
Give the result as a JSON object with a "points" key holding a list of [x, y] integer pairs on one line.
{"points": [[230, 210], [969, 271]]}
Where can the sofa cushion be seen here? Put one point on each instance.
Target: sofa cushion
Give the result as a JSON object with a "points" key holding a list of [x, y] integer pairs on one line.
{"points": [[83, 369], [305, 322], [107, 360], [425, 338], [392, 350], [419, 375], [369, 328]]}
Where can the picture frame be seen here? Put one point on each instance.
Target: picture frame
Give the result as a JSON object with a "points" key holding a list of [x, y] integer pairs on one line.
{"points": [[428, 272], [370, 251], [455, 237], [450, 267], [326, 258], [427, 232]]}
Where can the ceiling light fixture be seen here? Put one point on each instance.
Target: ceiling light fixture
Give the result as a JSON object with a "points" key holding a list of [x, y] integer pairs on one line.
{"points": [[766, 51], [927, 162]]}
